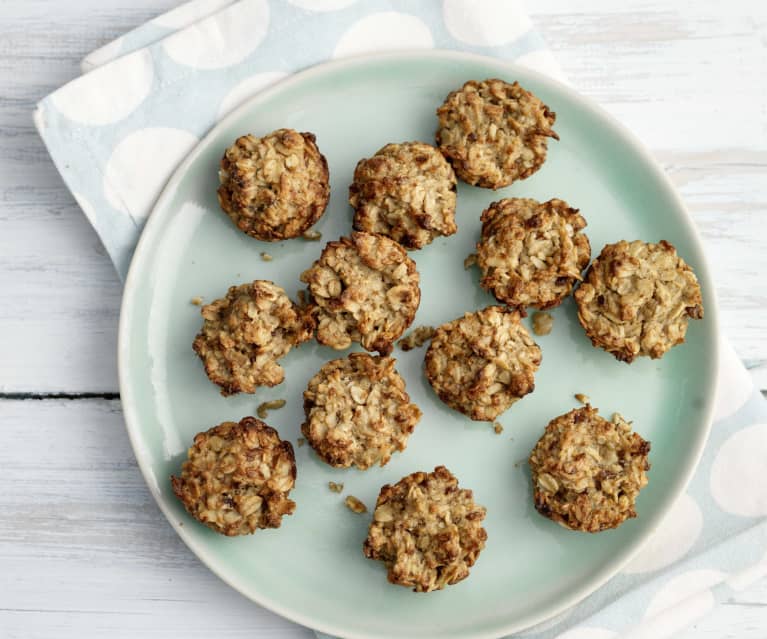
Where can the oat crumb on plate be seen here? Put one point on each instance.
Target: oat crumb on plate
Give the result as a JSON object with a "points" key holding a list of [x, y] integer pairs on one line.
{"points": [[312, 236], [355, 505], [265, 407], [542, 323], [469, 261], [498, 428], [583, 399], [334, 487], [300, 441], [197, 301], [416, 338], [266, 257]]}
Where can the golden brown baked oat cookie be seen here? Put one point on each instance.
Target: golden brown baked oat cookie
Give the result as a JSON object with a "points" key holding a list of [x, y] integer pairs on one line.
{"points": [[358, 411], [426, 530], [637, 299], [483, 362], [237, 478], [275, 187], [363, 288], [532, 253], [406, 192], [493, 132], [246, 332], [587, 472]]}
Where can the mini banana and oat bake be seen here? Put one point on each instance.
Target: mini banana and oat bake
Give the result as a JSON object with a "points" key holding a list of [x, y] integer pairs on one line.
{"points": [[532, 253], [426, 530], [587, 472], [637, 299], [483, 362], [237, 478], [406, 192], [246, 332], [358, 411], [363, 288], [493, 132], [274, 187]]}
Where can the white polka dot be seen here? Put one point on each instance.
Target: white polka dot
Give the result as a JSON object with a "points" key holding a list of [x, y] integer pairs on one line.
{"points": [[140, 165], [498, 22], [737, 475], [322, 5], [107, 94], [107, 53], [543, 61], [587, 632], [246, 89], [734, 384], [748, 576], [223, 39], [384, 32], [672, 540], [680, 602], [189, 12]]}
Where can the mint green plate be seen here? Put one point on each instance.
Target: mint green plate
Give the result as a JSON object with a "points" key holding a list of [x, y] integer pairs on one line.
{"points": [[312, 569]]}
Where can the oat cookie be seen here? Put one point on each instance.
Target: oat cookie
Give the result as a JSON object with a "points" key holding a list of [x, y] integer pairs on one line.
{"points": [[532, 253], [637, 299], [587, 472], [237, 478], [483, 362], [493, 132], [358, 411], [363, 288], [246, 332], [427, 531], [406, 192], [275, 187]]}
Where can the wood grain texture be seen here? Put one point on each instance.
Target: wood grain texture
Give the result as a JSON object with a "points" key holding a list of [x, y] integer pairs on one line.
{"points": [[93, 554]]}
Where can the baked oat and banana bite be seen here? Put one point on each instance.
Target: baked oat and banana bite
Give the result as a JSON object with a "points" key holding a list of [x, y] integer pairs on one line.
{"points": [[493, 132], [274, 187], [637, 299], [587, 472], [483, 362], [358, 411], [244, 334], [426, 530], [237, 478], [406, 192], [532, 253], [363, 288]]}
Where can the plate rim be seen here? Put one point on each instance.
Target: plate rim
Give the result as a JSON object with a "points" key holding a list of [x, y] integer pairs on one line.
{"points": [[130, 412]]}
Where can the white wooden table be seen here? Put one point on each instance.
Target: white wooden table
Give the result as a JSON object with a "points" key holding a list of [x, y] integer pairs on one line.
{"points": [[84, 551]]}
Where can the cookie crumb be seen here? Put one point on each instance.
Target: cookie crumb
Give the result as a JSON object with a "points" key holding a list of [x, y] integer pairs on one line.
{"points": [[300, 441], [471, 260], [583, 399], [197, 301], [265, 407], [542, 323], [266, 257], [334, 487], [497, 428], [354, 504], [416, 338], [312, 236]]}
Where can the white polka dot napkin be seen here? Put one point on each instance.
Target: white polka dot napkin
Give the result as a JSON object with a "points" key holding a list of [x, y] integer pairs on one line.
{"points": [[117, 133]]}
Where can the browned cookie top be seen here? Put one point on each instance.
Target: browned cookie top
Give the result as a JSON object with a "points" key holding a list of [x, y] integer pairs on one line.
{"points": [[587, 472], [406, 192], [427, 531], [363, 288], [483, 362], [237, 478], [637, 299], [246, 332], [532, 253], [493, 132], [358, 411], [274, 187]]}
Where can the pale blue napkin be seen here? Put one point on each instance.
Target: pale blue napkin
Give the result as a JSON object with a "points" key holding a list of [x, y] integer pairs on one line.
{"points": [[117, 133]]}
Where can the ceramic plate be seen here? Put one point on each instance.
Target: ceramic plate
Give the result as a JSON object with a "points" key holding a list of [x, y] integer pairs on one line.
{"points": [[312, 569]]}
